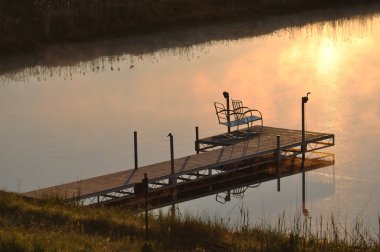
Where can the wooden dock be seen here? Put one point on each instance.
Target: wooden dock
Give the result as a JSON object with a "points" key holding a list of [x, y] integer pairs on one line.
{"points": [[236, 154]]}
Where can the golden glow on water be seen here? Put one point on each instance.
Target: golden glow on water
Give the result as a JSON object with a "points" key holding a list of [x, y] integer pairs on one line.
{"points": [[72, 127], [328, 58]]}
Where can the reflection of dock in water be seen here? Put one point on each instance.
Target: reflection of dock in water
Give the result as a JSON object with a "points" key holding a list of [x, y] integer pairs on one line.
{"points": [[231, 183], [241, 162]]}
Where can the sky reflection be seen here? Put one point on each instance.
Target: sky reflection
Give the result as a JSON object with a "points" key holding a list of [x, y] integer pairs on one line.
{"points": [[79, 123]]}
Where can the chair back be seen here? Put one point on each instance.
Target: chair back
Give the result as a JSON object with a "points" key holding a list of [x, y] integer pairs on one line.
{"points": [[221, 112], [238, 108]]}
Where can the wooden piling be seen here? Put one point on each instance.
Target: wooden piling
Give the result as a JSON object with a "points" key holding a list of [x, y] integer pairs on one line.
{"points": [[135, 149], [197, 139]]}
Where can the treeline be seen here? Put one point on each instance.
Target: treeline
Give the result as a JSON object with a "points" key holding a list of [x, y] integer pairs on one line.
{"points": [[27, 24]]}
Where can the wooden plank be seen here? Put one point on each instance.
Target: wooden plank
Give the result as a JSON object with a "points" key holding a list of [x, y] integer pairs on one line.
{"points": [[242, 149]]}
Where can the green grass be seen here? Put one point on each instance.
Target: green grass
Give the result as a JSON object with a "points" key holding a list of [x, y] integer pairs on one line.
{"points": [[52, 225]]}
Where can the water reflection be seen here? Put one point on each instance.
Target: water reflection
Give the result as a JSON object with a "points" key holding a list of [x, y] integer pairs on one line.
{"points": [[65, 61], [233, 184], [58, 130], [262, 203]]}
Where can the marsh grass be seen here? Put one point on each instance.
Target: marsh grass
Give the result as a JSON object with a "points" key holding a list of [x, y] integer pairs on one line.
{"points": [[55, 225], [28, 24]]}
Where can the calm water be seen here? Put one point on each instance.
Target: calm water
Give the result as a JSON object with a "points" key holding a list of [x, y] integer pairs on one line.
{"points": [[76, 119]]}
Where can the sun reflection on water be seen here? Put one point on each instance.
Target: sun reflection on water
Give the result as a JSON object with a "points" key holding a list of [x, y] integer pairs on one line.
{"points": [[328, 58], [81, 117]]}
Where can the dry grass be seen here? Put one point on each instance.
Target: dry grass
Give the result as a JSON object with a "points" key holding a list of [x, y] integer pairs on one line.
{"points": [[52, 225]]}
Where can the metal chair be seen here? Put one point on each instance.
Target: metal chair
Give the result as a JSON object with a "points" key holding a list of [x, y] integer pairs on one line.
{"points": [[236, 118], [226, 117], [246, 114]]}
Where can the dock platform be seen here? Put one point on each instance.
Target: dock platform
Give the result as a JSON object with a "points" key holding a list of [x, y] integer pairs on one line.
{"points": [[221, 157]]}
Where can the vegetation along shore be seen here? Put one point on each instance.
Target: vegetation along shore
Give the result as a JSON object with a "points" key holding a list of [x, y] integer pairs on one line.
{"points": [[27, 25], [53, 225]]}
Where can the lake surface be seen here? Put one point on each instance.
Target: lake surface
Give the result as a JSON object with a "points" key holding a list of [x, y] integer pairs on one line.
{"points": [[66, 115]]}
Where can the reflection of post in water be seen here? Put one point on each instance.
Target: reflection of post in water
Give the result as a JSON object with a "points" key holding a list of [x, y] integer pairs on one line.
{"points": [[172, 210], [303, 150], [304, 210], [145, 188], [278, 163]]}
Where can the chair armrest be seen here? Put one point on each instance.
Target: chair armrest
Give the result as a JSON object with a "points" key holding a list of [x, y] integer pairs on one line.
{"points": [[244, 108], [231, 112], [251, 111], [222, 115]]}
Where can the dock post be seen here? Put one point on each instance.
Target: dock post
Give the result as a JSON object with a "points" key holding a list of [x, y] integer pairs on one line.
{"points": [[227, 96], [197, 139], [303, 150], [303, 145], [145, 183], [135, 148], [278, 163], [172, 180]]}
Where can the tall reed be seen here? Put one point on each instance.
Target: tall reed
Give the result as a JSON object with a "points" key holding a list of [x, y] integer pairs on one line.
{"points": [[54, 225]]}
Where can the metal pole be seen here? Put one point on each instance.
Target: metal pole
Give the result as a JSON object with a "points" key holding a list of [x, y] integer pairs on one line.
{"points": [[303, 126], [278, 163], [303, 150], [171, 154], [172, 180], [197, 139], [303, 145], [227, 96], [135, 149], [145, 183], [304, 100]]}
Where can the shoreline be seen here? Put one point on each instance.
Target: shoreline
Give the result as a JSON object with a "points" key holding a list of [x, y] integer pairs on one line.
{"points": [[52, 224], [68, 54], [27, 26]]}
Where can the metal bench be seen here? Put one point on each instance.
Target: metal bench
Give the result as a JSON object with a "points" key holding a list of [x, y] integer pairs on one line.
{"points": [[237, 117], [246, 114]]}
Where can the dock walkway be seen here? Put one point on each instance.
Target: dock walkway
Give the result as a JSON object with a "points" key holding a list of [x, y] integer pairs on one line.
{"points": [[122, 184]]}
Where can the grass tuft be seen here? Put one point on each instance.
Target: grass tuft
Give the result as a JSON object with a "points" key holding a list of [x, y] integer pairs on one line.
{"points": [[54, 225]]}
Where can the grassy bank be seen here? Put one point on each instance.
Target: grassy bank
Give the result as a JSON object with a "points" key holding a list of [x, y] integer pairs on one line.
{"points": [[27, 25], [52, 225]]}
